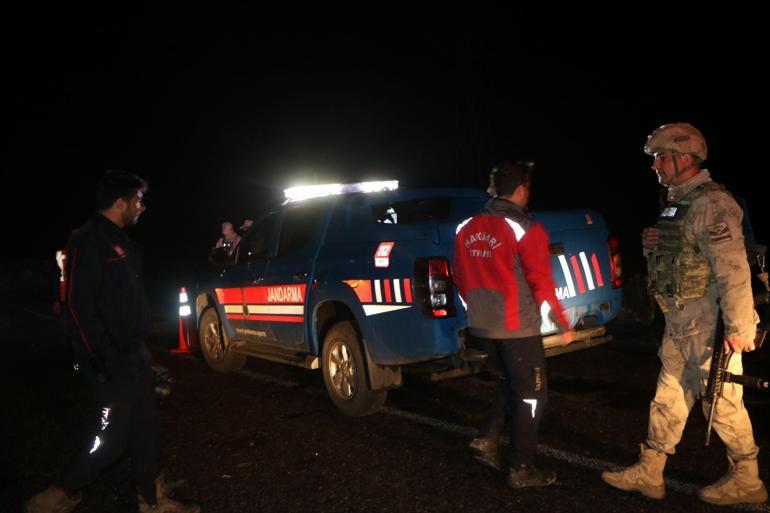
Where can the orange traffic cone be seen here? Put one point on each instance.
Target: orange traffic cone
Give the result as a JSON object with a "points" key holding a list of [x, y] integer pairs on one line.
{"points": [[188, 339]]}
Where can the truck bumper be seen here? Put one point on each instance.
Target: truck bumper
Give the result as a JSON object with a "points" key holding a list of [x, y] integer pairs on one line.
{"points": [[589, 337], [472, 361]]}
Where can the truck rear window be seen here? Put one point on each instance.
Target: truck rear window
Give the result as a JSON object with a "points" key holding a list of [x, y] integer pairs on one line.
{"points": [[413, 211]]}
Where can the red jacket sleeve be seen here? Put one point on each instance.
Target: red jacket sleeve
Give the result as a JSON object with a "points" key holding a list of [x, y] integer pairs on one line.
{"points": [[536, 265]]}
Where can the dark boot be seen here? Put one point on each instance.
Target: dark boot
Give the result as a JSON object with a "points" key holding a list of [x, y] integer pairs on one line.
{"points": [[52, 500], [527, 476], [487, 451], [163, 503]]}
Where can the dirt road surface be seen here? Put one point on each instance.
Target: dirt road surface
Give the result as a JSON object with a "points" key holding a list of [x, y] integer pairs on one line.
{"points": [[269, 439]]}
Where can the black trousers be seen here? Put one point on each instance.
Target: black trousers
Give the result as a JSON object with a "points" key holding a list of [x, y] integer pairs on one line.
{"points": [[128, 420], [522, 392]]}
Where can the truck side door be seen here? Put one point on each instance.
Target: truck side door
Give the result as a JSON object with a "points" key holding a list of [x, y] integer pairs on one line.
{"points": [[252, 260], [286, 285]]}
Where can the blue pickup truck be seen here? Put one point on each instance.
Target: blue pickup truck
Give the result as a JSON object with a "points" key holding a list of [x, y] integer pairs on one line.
{"points": [[356, 281]]}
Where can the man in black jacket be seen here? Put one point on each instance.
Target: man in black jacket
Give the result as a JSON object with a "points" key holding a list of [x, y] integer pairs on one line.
{"points": [[108, 320]]}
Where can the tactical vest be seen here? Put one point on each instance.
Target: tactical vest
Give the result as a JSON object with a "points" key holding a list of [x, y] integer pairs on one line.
{"points": [[679, 269]]}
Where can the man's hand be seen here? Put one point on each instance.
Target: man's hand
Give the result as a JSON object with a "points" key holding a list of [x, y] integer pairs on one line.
{"points": [[650, 237], [568, 337], [738, 345]]}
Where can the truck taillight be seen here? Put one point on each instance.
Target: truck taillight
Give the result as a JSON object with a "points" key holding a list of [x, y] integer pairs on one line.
{"points": [[184, 307], [616, 266], [434, 287]]}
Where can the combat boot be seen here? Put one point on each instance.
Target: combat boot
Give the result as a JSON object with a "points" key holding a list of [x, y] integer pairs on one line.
{"points": [[487, 451], [52, 500], [163, 503], [645, 477], [740, 485], [528, 476]]}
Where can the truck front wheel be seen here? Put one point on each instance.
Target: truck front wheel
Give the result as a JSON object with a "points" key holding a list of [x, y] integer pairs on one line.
{"points": [[344, 371], [215, 344]]}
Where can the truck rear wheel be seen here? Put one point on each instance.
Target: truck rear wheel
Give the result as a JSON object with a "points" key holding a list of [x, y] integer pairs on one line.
{"points": [[215, 344], [344, 372]]}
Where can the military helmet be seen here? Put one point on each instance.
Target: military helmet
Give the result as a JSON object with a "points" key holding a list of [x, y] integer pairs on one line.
{"points": [[677, 138]]}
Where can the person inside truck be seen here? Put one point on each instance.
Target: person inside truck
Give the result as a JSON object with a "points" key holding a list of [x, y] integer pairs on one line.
{"points": [[698, 273], [503, 274], [226, 244]]}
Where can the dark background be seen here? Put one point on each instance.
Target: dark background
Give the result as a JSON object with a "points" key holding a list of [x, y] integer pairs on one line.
{"points": [[220, 110]]}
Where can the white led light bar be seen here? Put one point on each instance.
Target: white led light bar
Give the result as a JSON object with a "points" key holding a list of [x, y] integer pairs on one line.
{"points": [[304, 192]]}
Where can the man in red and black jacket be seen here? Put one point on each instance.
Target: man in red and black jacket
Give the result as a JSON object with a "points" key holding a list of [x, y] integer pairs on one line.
{"points": [[503, 273], [108, 321]]}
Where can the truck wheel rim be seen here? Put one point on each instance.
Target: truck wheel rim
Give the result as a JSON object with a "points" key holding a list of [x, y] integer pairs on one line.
{"points": [[342, 370], [213, 341]]}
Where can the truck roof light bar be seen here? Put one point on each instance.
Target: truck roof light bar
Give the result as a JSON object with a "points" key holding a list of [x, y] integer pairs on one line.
{"points": [[304, 192]]}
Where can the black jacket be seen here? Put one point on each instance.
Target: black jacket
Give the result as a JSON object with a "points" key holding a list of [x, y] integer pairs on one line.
{"points": [[107, 308]]}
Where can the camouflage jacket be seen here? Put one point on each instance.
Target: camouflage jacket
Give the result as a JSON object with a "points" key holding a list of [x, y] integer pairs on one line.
{"points": [[714, 225]]}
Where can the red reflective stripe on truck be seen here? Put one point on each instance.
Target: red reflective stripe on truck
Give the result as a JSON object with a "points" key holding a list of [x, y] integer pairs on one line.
{"points": [[408, 290], [275, 294], [229, 296], [597, 270], [277, 318], [273, 318], [389, 288], [362, 288], [578, 274]]}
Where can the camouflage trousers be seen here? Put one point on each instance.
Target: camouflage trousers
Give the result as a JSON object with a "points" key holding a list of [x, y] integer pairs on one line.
{"points": [[686, 357]]}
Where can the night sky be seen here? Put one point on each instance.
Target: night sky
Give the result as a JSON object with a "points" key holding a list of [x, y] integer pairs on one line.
{"points": [[221, 110]]}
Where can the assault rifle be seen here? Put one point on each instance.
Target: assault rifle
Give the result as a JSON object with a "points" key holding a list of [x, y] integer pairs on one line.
{"points": [[718, 376]]}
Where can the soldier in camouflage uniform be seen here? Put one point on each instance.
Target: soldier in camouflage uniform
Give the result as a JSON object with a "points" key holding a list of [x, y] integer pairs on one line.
{"points": [[698, 270]]}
